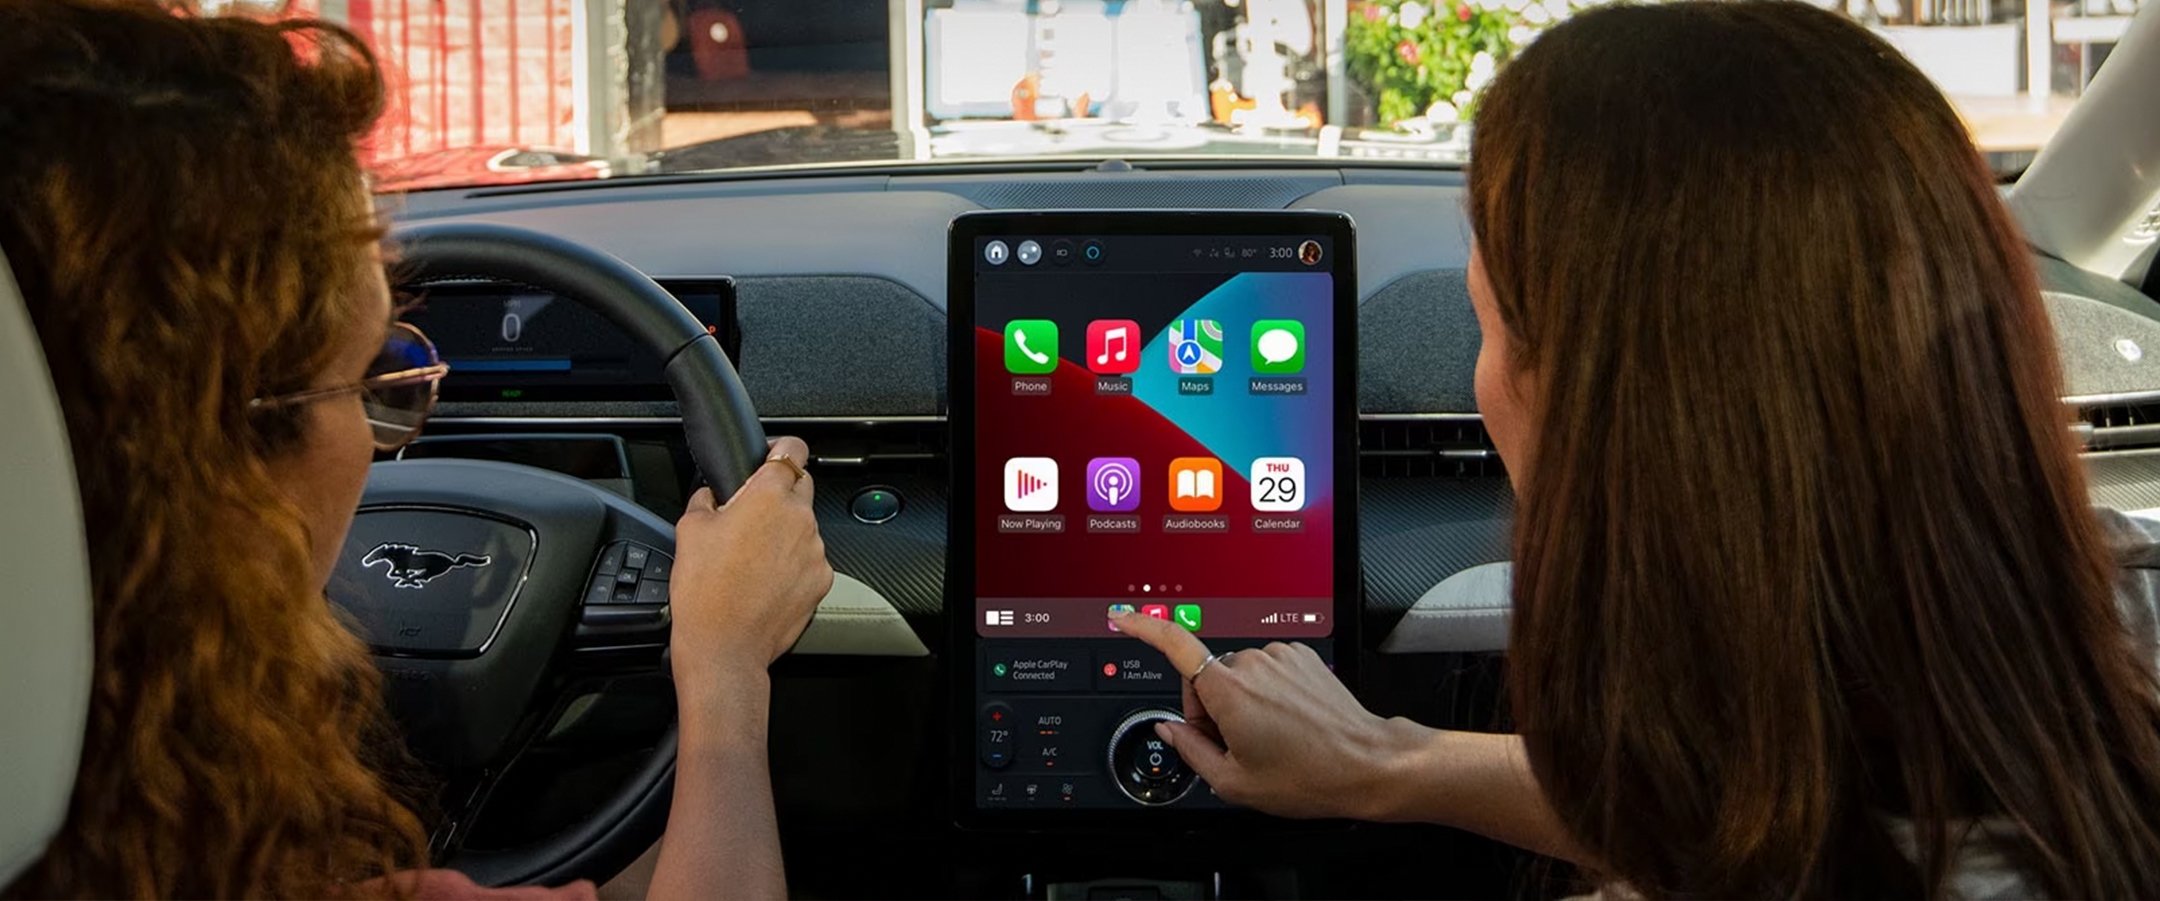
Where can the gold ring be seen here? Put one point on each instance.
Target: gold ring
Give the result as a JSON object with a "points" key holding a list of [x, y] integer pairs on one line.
{"points": [[791, 464]]}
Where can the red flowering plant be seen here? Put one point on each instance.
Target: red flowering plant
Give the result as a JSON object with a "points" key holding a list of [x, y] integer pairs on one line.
{"points": [[1424, 60]]}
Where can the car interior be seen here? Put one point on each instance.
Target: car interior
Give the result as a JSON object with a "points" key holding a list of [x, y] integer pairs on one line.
{"points": [[615, 343]]}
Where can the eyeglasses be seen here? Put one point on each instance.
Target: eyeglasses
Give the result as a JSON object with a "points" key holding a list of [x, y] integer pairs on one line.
{"points": [[398, 390]]}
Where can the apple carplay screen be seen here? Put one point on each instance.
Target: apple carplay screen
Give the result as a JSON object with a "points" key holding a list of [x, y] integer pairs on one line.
{"points": [[1157, 417]]}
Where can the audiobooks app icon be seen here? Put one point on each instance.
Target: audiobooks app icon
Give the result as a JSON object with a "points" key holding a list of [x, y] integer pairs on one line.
{"points": [[1195, 484], [1031, 484]]}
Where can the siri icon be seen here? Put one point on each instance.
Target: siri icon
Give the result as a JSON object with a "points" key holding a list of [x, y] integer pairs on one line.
{"points": [[1113, 484]]}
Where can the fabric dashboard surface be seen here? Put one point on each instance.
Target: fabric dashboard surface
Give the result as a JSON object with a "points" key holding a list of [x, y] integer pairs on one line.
{"points": [[1417, 345], [840, 345]]}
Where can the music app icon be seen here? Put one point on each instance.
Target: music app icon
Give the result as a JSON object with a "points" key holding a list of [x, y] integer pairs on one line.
{"points": [[1113, 346]]}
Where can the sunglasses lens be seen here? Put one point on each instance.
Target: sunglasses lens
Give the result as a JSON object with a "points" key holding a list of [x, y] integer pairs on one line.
{"points": [[396, 411]]}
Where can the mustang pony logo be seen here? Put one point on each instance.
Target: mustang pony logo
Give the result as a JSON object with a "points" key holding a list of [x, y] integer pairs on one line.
{"points": [[411, 567]]}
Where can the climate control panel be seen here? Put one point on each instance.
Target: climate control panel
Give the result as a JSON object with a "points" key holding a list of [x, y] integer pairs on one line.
{"points": [[1071, 725]]}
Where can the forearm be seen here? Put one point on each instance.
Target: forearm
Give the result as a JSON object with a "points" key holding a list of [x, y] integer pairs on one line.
{"points": [[1469, 780], [721, 836]]}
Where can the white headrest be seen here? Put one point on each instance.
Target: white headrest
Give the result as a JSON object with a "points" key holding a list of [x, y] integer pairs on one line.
{"points": [[45, 650]]}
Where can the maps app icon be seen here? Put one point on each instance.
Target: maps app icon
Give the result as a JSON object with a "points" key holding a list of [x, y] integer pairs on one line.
{"points": [[1196, 346]]}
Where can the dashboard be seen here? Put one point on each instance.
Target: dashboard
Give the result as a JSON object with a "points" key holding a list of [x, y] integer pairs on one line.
{"points": [[831, 292], [839, 331], [840, 287]]}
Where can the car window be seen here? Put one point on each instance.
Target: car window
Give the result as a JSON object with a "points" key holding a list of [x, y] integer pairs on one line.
{"points": [[514, 91]]}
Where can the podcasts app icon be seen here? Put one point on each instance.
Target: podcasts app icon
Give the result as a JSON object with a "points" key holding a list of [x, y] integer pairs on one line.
{"points": [[1113, 484]]}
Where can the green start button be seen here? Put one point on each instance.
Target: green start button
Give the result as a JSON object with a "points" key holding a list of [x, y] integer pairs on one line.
{"points": [[875, 504]]}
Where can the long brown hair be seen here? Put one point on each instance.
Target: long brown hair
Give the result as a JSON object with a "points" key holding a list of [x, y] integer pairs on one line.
{"points": [[1805, 551], [182, 205]]}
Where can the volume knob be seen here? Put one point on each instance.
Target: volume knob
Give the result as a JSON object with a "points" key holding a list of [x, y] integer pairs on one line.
{"points": [[1144, 766]]}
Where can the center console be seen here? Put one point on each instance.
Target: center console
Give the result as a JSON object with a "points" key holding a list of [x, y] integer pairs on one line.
{"points": [[1151, 411]]}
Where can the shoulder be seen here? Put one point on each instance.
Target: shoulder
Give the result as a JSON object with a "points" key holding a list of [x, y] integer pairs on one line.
{"points": [[2134, 538], [1981, 868]]}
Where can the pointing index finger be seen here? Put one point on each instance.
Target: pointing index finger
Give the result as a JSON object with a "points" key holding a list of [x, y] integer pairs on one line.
{"points": [[1185, 651]]}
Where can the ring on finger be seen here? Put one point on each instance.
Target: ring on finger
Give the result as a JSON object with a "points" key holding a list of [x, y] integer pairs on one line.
{"points": [[790, 463], [1212, 659]]}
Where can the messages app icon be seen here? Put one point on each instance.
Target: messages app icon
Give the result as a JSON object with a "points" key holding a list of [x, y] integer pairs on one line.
{"points": [[1031, 346], [1278, 346]]}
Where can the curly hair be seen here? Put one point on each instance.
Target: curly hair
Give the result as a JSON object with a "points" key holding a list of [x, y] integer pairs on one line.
{"points": [[181, 201]]}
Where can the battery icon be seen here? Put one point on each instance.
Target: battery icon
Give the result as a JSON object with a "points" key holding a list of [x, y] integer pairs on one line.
{"points": [[1312, 617]]}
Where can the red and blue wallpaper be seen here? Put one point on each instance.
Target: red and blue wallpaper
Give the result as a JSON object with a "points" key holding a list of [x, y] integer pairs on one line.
{"points": [[1154, 425]]}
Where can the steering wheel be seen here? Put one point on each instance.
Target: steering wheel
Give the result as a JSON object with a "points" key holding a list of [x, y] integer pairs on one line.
{"points": [[478, 583]]}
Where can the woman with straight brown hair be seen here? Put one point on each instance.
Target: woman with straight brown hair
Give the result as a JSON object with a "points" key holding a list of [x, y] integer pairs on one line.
{"points": [[1809, 597]]}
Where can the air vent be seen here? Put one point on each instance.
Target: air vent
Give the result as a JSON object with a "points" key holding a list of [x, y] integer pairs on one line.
{"points": [[1403, 447], [881, 445], [2124, 426]]}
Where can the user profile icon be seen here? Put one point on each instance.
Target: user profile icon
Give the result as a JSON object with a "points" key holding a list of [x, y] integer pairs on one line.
{"points": [[1309, 253]]}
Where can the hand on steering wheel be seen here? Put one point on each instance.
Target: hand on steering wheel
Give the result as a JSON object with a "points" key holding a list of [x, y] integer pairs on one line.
{"points": [[748, 573], [1272, 728]]}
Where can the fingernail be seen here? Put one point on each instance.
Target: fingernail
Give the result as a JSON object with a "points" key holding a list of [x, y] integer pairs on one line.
{"points": [[1162, 731]]}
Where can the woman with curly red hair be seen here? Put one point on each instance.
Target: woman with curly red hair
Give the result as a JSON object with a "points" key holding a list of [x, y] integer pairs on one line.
{"points": [[182, 205]]}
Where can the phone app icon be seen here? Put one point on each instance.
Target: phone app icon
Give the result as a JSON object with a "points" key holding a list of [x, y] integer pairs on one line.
{"points": [[1031, 484], [1196, 484], [1196, 346], [1187, 615], [1278, 484], [1116, 609], [1158, 611], [1113, 346], [1278, 346], [1031, 346], [1113, 484]]}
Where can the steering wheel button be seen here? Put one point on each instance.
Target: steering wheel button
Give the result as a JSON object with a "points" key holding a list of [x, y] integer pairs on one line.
{"points": [[611, 561], [626, 578], [600, 592], [656, 569], [650, 592], [635, 555]]}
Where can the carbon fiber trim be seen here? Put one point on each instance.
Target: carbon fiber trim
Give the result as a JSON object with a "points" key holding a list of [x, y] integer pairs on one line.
{"points": [[904, 557], [2125, 481], [1414, 532]]}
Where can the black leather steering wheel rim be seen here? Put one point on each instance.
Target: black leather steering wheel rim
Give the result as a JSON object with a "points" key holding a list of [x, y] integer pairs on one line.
{"points": [[719, 421], [725, 439]]}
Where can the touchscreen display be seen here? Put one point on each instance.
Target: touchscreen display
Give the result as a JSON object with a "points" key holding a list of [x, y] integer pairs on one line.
{"points": [[1154, 427]]}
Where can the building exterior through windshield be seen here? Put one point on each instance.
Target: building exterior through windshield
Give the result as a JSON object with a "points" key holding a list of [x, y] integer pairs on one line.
{"points": [[511, 91]]}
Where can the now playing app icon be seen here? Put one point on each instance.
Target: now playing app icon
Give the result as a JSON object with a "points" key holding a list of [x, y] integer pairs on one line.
{"points": [[1031, 484], [1113, 484]]}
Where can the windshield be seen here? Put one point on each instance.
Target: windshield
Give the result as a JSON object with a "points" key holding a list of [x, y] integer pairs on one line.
{"points": [[514, 91]]}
